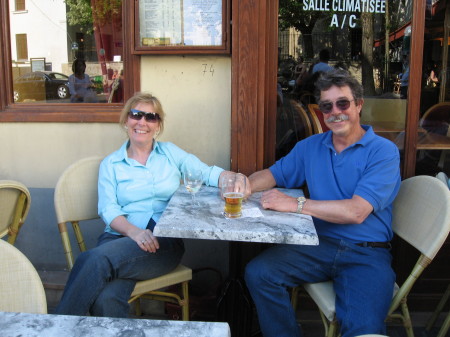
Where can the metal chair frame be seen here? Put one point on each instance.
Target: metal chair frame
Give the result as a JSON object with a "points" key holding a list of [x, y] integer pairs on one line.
{"points": [[15, 201]]}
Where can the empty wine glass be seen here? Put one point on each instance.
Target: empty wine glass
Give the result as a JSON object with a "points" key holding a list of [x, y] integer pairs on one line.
{"points": [[193, 181]]}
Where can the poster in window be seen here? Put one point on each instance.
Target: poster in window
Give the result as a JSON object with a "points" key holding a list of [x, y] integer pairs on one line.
{"points": [[180, 23]]}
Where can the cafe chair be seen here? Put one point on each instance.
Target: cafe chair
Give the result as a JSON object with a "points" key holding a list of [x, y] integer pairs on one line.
{"points": [[76, 200], [421, 217], [21, 288], [437, 118], [304, 118], [446, 325], [317, 118], [15, 203]]}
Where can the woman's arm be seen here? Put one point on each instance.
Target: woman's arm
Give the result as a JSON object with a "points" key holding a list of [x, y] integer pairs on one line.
{"points": [[143, 237]]}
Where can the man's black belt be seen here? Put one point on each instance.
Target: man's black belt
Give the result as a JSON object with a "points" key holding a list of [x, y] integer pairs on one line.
{"points": [[375, 244]]}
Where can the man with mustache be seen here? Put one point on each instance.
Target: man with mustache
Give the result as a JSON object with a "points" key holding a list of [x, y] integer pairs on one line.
{"points": [[353, 177]]}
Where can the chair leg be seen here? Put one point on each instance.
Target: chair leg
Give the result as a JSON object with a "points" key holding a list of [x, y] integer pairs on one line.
{"points": [[333, 329], [185, 304], [407, 319], [137, 307], [438, 310], [445, 327]]}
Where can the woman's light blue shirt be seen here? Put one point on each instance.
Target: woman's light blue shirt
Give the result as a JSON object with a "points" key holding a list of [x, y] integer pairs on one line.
{"points": [[141, 192]]}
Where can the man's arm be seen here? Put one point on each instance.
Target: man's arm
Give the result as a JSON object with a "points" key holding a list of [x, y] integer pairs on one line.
{"points": [[262, 180], [347, 211]]}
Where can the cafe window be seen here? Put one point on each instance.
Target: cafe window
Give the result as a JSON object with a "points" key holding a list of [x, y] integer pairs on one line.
{"points": [[374, 44], [81, 45], [20, 5]]}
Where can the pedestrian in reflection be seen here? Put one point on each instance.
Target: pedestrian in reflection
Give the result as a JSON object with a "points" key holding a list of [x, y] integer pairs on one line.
{"points": [[322, 65], [80, 85], [404, 78]]}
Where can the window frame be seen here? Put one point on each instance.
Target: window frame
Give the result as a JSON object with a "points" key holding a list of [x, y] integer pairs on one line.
{"points": [[64, 112], [224, 48]]}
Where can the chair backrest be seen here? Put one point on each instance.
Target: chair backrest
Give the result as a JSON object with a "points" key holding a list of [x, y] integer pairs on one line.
{"points": [[437, 118], [15, 203], [76, 197], [421, 214], [317, 117], [21, 288], [306, 122]]}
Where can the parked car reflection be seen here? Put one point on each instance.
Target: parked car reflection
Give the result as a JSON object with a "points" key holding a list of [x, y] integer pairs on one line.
{"points": [[40, 86]]}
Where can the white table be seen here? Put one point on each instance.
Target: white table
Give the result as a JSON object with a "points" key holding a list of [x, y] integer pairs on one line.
{"points": [[181, 220], [38, 325]]}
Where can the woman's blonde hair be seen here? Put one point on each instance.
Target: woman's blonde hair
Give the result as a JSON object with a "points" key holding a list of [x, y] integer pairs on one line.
{"points": [[143, 97]]}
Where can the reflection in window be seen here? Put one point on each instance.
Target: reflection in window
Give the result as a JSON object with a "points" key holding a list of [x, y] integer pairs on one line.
{"points": [[20, 5], [21, 46], [68, 30]]}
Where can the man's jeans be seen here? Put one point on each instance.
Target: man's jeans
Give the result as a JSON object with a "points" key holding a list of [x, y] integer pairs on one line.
{"points": [[362, 276], [103, 278]]}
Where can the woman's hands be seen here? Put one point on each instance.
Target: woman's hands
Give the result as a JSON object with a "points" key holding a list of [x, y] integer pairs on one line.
{"points": [[143, 237], [145, 240]]}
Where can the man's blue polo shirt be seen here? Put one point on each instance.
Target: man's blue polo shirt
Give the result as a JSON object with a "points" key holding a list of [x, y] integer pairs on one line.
{"points": [[370, 168]]}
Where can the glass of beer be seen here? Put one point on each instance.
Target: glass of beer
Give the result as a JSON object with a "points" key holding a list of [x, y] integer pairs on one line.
{"points": [[233, 189]]}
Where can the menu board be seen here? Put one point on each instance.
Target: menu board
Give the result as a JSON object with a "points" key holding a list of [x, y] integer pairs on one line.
{"points": [[180, 23]]}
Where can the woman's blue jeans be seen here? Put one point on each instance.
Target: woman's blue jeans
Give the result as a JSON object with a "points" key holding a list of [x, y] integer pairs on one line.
{"points": [[103, 278], [362, 276]]}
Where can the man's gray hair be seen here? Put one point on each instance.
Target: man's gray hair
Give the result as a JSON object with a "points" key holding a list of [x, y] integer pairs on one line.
{"points": [[340, 78]]}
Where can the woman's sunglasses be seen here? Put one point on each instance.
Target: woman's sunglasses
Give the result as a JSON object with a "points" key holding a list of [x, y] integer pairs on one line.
{"points": [[137, 115], [341, 104]]}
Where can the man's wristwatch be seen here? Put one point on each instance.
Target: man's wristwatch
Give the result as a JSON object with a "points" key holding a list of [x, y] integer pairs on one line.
{"points": [[300, 202]]}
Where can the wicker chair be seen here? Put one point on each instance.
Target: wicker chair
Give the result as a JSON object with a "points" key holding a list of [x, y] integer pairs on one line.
{"points": [[317, 118], [421, 217], [76, 200], [21, 288], [15, 203]]}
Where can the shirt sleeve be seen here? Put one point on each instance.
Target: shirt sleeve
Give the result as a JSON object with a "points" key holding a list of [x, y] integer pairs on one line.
{"points": [[289, 171], [108, 207], [381, 179], [184, 160]]}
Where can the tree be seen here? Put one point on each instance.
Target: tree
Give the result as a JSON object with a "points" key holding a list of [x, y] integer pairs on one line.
{"points": [[91, 13], [291, 14], [367, 53]]}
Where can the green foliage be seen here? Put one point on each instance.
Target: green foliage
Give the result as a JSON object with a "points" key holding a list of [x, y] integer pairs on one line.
{"points": [[79, 12], [291, 14], [87, 13]]}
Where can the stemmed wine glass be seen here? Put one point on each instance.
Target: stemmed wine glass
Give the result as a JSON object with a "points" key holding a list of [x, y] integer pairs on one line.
{"points": [[193, 181]]}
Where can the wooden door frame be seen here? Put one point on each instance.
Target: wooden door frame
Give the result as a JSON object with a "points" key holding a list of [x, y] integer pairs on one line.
{"points": [[253, 93]]}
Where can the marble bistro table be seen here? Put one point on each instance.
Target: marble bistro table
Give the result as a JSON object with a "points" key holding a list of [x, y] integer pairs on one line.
{"points": [[206, 221], [38, 325], [257, 225]]}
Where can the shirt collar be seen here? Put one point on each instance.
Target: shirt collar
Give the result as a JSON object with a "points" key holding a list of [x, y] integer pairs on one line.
{"points": [[121, 154], [366, 139]]}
